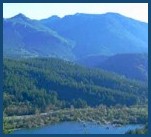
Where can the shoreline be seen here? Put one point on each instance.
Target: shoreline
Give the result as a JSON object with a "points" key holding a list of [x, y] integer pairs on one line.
{"points": [[95, 115]]}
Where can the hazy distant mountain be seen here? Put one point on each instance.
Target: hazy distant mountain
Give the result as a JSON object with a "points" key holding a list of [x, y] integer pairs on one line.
{"points": [[134, 66], [92, 61], [104, 34], [23, 37], [79, 35]]}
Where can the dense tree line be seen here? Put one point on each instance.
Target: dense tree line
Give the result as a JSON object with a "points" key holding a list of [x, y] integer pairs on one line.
{"points": [[32, 85]]}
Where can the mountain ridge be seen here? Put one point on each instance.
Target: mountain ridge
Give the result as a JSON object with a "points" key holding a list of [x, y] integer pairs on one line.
{"points": [[100, 34], [30, 38], [85, 34]]}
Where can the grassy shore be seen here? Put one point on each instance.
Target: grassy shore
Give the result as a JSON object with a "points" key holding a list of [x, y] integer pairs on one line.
{"points": [[100, 115]]}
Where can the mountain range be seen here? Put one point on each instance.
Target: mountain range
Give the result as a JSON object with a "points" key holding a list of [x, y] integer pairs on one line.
{"points": [[104, 34], [108, 41], [74, 36]]}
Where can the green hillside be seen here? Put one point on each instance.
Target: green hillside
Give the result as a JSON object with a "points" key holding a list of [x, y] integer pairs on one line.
{"points": [[41, 84]]}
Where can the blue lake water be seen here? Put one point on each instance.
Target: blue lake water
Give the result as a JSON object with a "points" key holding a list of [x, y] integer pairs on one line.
{"points": [[78, 128]]}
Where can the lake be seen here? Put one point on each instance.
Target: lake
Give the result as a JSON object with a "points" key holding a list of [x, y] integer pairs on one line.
{"points": [[78, 128]]}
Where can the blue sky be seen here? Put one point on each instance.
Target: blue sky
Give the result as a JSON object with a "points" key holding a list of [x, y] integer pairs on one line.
{"points": [[137, 11]]}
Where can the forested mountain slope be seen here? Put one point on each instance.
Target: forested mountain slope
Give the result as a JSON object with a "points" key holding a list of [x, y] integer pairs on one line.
{"points": [[33, 84]]}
